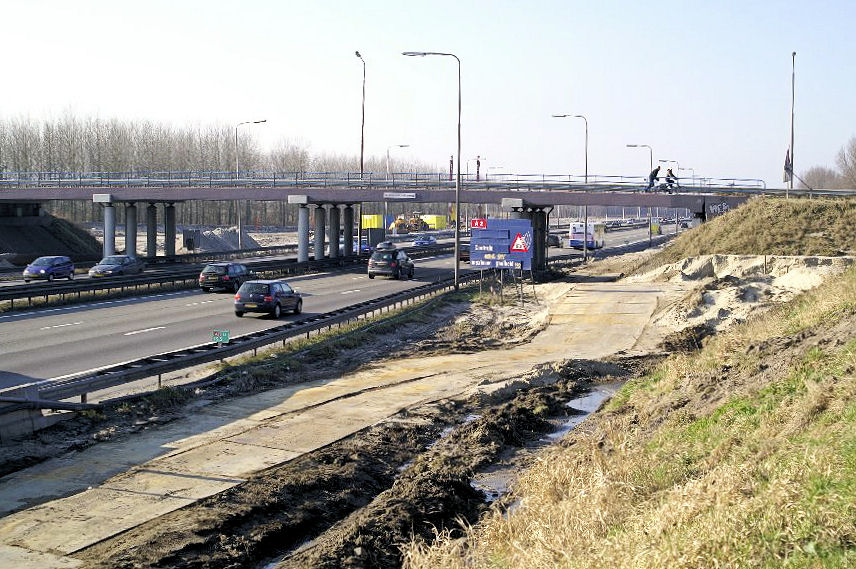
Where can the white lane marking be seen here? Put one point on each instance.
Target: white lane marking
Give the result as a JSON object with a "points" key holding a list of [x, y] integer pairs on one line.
{"points": [[60, 325], [350, 291], [85, 305], [198, 303], [143, 331]]}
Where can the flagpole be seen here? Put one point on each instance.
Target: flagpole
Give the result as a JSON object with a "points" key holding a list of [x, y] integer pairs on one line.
{"points": [[793, 83]]}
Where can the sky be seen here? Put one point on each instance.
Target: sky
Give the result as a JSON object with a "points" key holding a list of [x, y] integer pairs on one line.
{"points": [[705, 84]]}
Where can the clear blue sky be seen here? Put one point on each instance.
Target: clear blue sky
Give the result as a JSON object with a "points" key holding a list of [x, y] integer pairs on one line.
{"points": [[706, 84]]}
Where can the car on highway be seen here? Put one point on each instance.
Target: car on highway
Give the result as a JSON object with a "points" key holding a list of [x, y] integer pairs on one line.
{"points": [[268, 296], [116, 265], [553, 240], [424, 241], [390, 261], [464, 252], [225, 275], [49, 268]]}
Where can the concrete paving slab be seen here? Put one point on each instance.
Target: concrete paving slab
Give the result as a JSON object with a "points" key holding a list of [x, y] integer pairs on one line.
{"points": [[225, 458], [14, 557], [70, 524]]}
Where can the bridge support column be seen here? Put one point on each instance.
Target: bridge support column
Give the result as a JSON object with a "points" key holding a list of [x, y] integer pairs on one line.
{"points": [[109, 229], [333, 231], [151, 231], [320, 214], [169, 230], [515, 213], [131, 229], [302, 233], [348, 228], [539, 236]]}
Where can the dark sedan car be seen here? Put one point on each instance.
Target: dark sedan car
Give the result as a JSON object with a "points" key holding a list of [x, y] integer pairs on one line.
{"points": [[268, 296], [390, 262], [50, 268], [116, 265], [228, 276]]}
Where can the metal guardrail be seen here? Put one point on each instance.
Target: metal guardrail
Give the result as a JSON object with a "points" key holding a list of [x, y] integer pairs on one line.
{"points": [[83, 384], [367, 180], [274, 269]]}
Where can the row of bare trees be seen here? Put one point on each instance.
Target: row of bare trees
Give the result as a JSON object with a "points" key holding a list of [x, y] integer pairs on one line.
{"points": [[73, 144], [844, 177]]}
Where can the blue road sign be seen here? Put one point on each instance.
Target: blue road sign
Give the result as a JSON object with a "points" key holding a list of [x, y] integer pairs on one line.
{"points": [[504, 244]]}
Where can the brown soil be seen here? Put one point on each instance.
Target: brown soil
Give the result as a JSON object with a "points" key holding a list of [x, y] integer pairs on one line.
{"points": [[353, 503]]}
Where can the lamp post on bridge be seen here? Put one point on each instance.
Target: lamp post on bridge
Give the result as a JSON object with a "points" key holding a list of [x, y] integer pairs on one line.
{"points": [[458, 177], [237, 170], [586, 146]]}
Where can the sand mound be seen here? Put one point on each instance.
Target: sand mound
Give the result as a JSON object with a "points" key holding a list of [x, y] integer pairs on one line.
{"points": [[731, 287]]}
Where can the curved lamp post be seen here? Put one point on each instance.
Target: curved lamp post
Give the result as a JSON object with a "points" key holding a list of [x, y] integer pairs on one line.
{"points": [[650, 154], [458, 177], [240, 224]]}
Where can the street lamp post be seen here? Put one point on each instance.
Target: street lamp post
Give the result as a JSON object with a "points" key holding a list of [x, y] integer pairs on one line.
{"points": [[240, 224], [793, 87], [363, 124], [586, 147], [692, 172], [458, 177], [385, 203]]}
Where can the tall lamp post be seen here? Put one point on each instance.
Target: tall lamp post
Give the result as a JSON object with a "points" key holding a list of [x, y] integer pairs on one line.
{"points": [[458, 177], [240, 224], [363, 124], [793, 86], [385, 226], [586, 121]]}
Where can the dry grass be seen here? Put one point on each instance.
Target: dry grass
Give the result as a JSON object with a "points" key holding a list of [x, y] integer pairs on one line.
{"points": [[741, 455], [769, 226]]}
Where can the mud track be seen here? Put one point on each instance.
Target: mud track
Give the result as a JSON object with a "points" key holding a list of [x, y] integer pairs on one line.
{"points": [[353, 503]]}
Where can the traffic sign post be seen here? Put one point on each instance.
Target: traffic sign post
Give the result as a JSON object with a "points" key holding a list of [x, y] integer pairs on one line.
{"points": [[220, 336]]}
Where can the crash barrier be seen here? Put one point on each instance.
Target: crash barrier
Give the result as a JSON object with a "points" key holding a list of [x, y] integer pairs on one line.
{"points": [[49, 394], [183, 275]]}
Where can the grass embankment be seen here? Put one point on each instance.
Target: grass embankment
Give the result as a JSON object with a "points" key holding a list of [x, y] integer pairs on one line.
{"points": [[769, 226], [742, 454]]}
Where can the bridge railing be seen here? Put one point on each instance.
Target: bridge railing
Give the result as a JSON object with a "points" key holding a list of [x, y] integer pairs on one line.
{"points": [[355, 180]]}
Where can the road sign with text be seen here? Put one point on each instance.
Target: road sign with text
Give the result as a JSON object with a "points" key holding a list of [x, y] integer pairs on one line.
{"points": [[502, 244]]}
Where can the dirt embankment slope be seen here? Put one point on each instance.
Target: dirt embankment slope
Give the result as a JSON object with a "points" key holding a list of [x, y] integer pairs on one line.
{"points": [[738, 452]]}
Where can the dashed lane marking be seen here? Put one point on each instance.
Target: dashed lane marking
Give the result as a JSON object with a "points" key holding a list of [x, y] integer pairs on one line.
{"points": [[144, 331], [60, 325]]}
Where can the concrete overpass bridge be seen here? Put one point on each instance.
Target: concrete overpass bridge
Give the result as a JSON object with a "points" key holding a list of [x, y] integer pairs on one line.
{"points": [[335, 194]]}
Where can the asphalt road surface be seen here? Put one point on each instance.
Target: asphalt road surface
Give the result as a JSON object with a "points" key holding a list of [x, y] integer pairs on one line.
{"points": [[54, 342]]}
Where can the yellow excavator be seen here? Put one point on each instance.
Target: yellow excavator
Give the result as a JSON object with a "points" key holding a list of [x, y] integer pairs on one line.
{"points": [[403, 225]]}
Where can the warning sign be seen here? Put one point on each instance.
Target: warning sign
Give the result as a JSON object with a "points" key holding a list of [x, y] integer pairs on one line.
{"points": [[519, 245]]}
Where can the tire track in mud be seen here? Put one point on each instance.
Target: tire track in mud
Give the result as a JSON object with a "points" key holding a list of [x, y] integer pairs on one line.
{"points": [[353, 502]]}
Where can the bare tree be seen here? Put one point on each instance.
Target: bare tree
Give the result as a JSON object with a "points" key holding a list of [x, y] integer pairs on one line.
{"points": [[820, 177], [847, 164]]}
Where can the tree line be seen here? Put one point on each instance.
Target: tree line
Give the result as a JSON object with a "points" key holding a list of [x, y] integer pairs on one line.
{"points": [[91, 144], [842, 177]]}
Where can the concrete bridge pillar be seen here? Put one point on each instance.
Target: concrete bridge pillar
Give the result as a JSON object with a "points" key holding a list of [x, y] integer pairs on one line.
{"points": [[320, 214], [348, 227], [302, 233], [169, 230], [539, 237], [131, 229], [109, 229], [515, 213], [333, 231], [151, 230]]}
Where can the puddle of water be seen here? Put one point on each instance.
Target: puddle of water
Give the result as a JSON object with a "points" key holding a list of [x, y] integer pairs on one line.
{"points": [[496, 480]]}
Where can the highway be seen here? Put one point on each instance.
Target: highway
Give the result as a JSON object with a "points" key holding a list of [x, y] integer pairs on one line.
{"points": [[54, 342]]}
